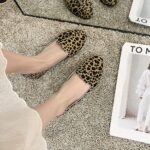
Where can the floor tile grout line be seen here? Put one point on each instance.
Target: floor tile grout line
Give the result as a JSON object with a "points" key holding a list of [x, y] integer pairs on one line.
{"points": [[71, 22]]}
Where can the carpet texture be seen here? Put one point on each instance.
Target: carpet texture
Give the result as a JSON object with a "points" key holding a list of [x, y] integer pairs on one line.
{"points": [[116, 17], [86, 125]]}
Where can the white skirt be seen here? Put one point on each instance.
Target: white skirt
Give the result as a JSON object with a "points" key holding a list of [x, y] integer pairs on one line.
{"points": [[20, 125]]}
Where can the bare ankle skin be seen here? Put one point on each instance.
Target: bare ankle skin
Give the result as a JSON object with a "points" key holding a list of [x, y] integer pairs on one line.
{"points": [[18, 63], [71, 91], [50, 56]]}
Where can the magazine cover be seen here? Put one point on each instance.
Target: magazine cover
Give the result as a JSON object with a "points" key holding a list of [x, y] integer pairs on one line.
{"points": [[131, 111], [140, 12]]}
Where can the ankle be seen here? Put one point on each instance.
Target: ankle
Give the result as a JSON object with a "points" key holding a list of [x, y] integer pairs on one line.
{"points": [[36, 65], [62, 100], [58, 104]]}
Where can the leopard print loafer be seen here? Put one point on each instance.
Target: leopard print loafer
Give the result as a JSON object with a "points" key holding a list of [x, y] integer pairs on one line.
{"points": [[109, 3], [71, 42], [91, 70], [80, 8]]}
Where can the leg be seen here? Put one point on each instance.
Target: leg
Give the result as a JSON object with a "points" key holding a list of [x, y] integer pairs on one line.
{"points": [[147, 121], [142, 107], [17, 63], [71, 91]]}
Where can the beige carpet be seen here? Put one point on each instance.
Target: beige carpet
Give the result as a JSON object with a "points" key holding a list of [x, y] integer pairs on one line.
{"points": [[86, 125], [116, 18]]}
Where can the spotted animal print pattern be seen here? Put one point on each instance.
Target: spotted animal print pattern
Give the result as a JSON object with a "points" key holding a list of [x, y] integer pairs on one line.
{"points": [[80, 8], [109, 2], [91, 70], [71, 42]]}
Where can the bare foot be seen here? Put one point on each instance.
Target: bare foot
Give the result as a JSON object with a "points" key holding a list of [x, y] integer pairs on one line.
{"points": [[73, 90], [146, 129], [139, 127], [51, 55]]}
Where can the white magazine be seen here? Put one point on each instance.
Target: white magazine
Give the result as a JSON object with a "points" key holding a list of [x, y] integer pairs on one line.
{"points": [[132, 103], [140, 12]]}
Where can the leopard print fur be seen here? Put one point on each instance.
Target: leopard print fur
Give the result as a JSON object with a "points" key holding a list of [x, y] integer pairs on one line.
{"points": [[80, 8], [72, 41], [109, 2], [91, 70]]}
